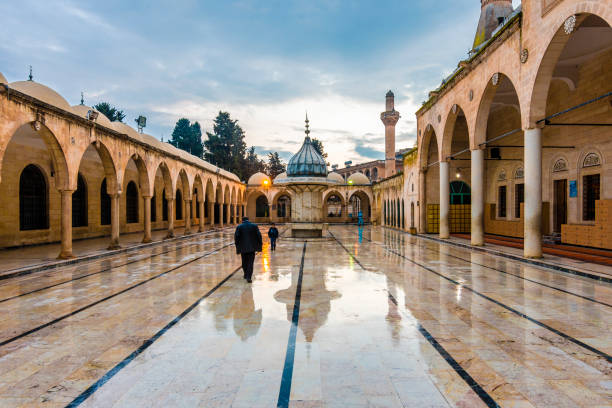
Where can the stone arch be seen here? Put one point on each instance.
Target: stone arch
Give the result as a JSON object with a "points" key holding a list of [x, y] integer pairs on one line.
{"points": [[59, 164], [167, 179], [198, 188], [455, 113], [479, 134], [279, 193], [365, 199], [429, 135], [184, 184], [252, 205], [108, 164], [547, 63], [226, 194], [143, 176]]}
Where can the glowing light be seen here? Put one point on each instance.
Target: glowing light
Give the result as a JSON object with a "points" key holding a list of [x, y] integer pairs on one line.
{"points": [[265, 182], [350, 181]]}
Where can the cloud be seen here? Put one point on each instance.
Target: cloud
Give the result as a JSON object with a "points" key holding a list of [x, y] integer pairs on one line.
{"points": [[264, 64]]}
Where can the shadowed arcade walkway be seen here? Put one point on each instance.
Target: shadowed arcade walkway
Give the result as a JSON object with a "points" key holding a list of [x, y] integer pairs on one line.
{"points": [[383, 319]]}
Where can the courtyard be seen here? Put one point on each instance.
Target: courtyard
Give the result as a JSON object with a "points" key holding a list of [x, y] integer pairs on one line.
{"points": [[367, 317]]}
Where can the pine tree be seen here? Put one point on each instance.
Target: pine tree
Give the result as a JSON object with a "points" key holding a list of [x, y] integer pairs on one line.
{"points": [[113, 114], [252, 164], [225, 146], [318, 146], [275, 165], [188, 137], [197, 147]]}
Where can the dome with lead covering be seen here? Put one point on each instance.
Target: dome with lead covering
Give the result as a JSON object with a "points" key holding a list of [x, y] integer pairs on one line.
{"points": [[307, 162], [42, 93]]}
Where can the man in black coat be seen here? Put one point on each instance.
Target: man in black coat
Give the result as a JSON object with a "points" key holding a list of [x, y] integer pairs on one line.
{"points": [[248, 241]]}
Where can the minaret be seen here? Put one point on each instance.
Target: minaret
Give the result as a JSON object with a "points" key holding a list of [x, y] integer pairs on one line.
{"points": [[390, 118], [492, 14]]}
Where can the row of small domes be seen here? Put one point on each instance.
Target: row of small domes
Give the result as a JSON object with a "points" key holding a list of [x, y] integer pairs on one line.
{"points": [[259, 179], [49, 96]]}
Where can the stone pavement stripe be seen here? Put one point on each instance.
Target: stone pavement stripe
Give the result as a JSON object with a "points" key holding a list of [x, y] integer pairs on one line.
{"points": [[285, 387], [518, 276], [469, 380], [510, 309], [531, 261], [42, 326], [146, 258], [145, 345]]}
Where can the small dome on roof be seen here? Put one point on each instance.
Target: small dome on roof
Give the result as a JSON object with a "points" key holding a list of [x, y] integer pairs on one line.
{"points": [[390, 93], [280, 176], [3, 79], [126, 129], [42, 93], [335, 177], [82, 110], [358, 178], [259, 179]]}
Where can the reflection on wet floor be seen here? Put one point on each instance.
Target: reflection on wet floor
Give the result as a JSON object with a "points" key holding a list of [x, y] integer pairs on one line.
{"points": [[383, 319]]}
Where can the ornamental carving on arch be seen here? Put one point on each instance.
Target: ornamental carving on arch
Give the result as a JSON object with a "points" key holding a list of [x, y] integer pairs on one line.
{"points": [[519, 173], [560, 165], [502, 175], [591, 159], [569, 25], [495, 79]]}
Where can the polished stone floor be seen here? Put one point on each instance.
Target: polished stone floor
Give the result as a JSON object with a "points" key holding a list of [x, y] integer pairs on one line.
{"points": [[366, 318]]}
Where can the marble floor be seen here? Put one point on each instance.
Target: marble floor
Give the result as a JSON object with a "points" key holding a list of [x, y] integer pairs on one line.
{"points": [[366, 318]]}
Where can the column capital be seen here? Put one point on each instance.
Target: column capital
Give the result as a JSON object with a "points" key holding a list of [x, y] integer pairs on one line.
{"points": [[147, 196]]}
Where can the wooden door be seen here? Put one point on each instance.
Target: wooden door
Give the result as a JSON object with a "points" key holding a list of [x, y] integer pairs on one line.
{"points": [[560, 211]]}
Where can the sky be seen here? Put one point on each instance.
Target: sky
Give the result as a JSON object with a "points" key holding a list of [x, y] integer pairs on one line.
{"points": [[266, 62]]}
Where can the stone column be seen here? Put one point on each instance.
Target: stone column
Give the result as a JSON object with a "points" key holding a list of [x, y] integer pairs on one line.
{"points": [[221, 211], [147, 219], [66, 227], [115, 218], [211, 214], [187, 217], [202, 218], [422, 208], [171, 216], [477, 230], [533, 193], [444, 200]]}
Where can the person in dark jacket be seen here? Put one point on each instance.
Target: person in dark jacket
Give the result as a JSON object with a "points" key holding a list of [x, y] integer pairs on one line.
{"points": [[248, 241], [273, 235]]}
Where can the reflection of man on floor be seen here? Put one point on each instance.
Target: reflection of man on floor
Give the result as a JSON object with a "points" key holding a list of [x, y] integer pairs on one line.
{"points": [[248, 241], [247, 320]]}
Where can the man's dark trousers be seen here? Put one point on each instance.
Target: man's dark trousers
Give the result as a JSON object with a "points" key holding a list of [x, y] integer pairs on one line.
{"points": [[247, 264], [273, 243]]}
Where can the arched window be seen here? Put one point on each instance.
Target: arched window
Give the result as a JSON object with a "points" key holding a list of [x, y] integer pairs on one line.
{"points": [[178, 203], [367, 173], [131, 203], [375, 173], [261, 207], [105, 205], [283, 207], [334, 206], [412, 215], [164, 206], [460, 193], [33, 210], [154, 207], [79, 203]]}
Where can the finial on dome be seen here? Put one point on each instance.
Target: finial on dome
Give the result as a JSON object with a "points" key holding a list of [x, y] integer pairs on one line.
{"points": [[30, 77], [82, 99], [307, 126]]}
